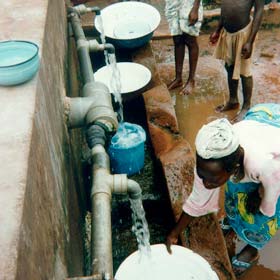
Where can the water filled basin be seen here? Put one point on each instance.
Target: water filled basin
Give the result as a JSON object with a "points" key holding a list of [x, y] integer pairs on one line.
{"points": [[128, 24], [133, 76], [182, 264], [19, 62]]}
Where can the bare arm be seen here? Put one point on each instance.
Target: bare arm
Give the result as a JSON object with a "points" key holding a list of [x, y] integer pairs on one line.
{"points": [[173, 236], [258, 12], [193, 15], [216, 34]]}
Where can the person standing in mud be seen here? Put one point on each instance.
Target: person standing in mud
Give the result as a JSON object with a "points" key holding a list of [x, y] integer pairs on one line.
{"points": [[184, 18], [235, 37], [245, 156]]}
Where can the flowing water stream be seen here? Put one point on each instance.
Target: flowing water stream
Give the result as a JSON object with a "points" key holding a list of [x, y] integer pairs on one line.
{"points": [[110, 60], [140, 228]]}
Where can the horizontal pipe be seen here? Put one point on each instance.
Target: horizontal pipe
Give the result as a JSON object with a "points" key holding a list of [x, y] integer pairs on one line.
{"points": [[83, 9], [95, 46]]}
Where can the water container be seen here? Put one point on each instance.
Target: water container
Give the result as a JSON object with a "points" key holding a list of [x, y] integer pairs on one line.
{"points": [[126, 150], [182, 264]]}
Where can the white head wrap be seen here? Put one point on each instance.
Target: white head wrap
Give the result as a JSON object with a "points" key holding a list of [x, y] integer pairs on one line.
{"points": [[216, 139]]}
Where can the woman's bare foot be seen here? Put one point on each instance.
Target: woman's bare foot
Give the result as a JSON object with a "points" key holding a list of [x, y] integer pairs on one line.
{"points": [[175, 84], [188, 88], [226, 107]]}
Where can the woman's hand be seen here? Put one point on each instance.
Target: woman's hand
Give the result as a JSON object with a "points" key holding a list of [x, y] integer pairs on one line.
{"points": [[171, 239]]}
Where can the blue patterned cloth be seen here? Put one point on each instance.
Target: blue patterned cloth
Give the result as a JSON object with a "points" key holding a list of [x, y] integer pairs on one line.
{"points": [[257, 229]]}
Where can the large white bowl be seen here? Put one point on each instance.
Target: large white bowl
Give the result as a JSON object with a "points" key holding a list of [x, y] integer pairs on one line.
{"points": [[133, 76], [182, 264], [129, 24]]}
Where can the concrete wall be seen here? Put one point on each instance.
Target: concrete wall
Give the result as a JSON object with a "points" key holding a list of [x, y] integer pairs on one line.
{"points": [[40, 197]]}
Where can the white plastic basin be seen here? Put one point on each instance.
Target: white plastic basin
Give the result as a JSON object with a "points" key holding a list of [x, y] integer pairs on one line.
{"points": [[182, 264], [133, 76], [128, 24]]}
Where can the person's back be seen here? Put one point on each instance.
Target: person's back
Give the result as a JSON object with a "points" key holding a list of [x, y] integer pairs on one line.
{"points": [[235, 15], [258, 137]]}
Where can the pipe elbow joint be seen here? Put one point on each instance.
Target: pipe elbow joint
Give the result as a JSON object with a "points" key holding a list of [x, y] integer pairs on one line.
{"points": [[96, 10], [109, 48], [133, 189]]}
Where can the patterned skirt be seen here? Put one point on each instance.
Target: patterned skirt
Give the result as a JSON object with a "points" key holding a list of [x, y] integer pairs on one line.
{"points": [[254, 229]]}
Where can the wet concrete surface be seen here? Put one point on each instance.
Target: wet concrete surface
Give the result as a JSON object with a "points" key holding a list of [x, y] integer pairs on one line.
{"points": [[211, 90]]}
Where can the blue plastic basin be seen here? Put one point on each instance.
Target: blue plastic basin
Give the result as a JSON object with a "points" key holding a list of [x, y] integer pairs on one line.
{"points": [[126, 150], [19, 62]]}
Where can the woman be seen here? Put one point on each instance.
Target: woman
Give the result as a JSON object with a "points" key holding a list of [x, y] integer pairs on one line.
{"points": [[246, 155]]}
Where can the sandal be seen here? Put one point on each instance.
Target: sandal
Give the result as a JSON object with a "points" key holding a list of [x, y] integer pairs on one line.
{"points": [[225, 226], [244, 266]]}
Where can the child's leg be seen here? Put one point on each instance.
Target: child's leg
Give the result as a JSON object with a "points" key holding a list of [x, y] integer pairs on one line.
{"points": [[193, 48], [232, 103], [179, 51], [247, 88]]}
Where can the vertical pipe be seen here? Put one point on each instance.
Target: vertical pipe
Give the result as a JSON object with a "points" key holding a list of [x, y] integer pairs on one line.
{"points": [[102, 260], [85, 65], [82, 49]]}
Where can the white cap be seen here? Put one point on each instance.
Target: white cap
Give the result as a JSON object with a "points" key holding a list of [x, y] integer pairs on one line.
{"points": [[216, 139]]}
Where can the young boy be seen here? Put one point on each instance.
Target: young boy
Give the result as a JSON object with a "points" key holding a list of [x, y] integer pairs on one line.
{"points": [[184, 18], [236, 35]]}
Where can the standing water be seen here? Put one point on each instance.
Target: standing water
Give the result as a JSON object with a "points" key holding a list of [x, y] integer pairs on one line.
{"points": [[110, 60]]}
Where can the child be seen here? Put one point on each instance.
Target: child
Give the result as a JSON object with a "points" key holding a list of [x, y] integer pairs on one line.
{"points": [[184, 18], [236, 35], [246, 155]]}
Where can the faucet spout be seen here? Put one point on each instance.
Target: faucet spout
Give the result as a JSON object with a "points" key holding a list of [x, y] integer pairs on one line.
{"points": [[83, 9], [133, 189], [95, 46]]}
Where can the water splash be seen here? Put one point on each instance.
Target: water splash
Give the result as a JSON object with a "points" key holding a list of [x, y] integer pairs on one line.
{"points": [[99, 22], [140, 228], [110, 60], [115, 82]]}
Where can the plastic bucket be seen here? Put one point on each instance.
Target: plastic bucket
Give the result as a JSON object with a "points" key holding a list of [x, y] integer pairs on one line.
{"points": [[182, 264], [126, 150]]}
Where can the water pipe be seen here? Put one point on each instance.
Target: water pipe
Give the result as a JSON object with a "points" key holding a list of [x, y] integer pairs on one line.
{"points": [[84, 46], [103, 185], [83, 9], [95, 105], [94, 111]]}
